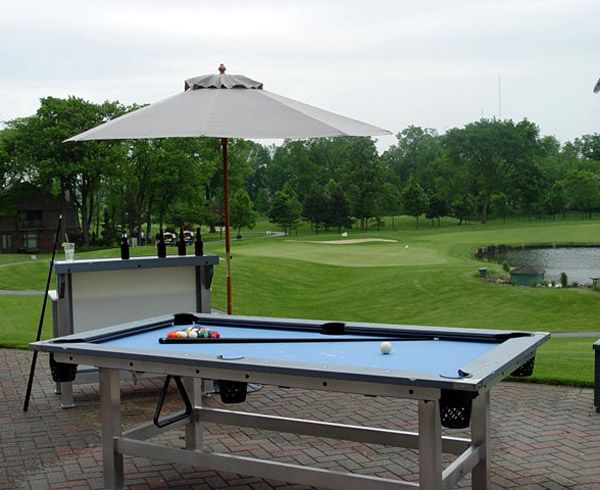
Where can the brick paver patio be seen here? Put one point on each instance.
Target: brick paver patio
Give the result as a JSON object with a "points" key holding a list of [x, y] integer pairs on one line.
{"points": [[543, 437]]}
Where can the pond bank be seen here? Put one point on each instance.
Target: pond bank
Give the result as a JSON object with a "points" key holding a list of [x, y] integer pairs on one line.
{"points": [[580, 262]]}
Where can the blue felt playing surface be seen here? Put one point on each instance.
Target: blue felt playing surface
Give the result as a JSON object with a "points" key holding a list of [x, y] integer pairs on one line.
{"points": [[437, 357]]}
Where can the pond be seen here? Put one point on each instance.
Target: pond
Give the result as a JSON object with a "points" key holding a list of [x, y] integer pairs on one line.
{"points": [[579, 263]]}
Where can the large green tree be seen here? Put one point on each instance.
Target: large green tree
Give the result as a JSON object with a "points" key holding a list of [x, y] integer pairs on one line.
{"points": [[12, 168], [75, 170], [242, 213], [362, 178], [286, 209], [414, 199], [301, 164], [338, 213], [259, 160], [241, 154], [582, 191], [494, 153], [415, 150], [462, 207], [315, 207], [588, 146]]}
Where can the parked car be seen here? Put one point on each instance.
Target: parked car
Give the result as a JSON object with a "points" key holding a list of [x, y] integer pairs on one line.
{"points": [[189, 237], [169, 238]]}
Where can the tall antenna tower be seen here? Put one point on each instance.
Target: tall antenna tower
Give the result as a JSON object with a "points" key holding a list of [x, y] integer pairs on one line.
{"points": [[499, 99]]}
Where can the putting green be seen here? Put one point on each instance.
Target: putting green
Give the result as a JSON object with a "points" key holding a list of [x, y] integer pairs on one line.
{"points": [[366, 254]]}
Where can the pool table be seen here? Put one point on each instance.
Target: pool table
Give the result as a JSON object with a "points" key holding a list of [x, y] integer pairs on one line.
{"points": [[448, 371]]}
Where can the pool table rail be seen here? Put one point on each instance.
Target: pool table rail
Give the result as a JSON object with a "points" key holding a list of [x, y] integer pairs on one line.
{"points": [[513, 349]]}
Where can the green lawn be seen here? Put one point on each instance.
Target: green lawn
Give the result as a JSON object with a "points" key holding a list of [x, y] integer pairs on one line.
{"points": [[32, 274], [20, 320], [12, 258], [565, 360], [424, 276], [450, 296]]}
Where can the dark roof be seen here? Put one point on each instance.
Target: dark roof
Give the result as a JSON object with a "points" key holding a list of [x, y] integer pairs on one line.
{"points": [[25, 195], [527, 269]]}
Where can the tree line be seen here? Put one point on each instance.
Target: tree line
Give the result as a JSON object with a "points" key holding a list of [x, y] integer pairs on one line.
{"points": [[488, 168]]}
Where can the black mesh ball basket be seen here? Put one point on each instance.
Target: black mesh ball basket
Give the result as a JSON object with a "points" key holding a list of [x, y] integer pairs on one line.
{"points": [[525, 369], [455, 409], [62, 372], [232, 391]]}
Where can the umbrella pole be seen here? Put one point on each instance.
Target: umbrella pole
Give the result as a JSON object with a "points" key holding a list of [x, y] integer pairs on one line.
{"points": [[227, 236]]}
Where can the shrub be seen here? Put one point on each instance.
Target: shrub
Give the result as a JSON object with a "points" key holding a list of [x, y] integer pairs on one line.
{"points": [[506, 266], [564, 281]]}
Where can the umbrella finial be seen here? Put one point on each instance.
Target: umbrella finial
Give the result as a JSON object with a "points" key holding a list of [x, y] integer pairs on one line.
{"points": [[222, 69]]}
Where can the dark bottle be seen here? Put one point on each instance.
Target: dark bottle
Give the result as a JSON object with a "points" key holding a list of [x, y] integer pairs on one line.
{"points": [[161, 246], [181, 242], [198, 246], [124, 246]]}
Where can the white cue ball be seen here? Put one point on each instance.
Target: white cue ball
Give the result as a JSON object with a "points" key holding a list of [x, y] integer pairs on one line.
{"points": [[385, 347]]}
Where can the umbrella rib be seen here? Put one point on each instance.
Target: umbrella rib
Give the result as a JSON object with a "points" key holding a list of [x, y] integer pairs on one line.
{"points": [[307, 109]]}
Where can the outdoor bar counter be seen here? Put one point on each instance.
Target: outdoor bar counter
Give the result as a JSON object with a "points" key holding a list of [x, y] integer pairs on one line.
{"points": [[95, 293]]}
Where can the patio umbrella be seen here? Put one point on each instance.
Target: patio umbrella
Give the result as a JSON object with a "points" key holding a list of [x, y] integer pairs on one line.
{"points": [[228, 106]]}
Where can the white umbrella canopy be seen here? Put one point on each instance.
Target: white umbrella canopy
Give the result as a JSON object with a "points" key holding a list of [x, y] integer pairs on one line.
{"points": [[230, 110], [228, 106]]}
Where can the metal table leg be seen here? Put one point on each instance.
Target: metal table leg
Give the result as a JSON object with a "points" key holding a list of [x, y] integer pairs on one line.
{"points": [[480, 432], [430, 445], [597, 375], [66, 394], [110, 416], [193, 429]]}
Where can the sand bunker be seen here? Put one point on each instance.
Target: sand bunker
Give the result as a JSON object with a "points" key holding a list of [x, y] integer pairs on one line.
{"points": [[356, 240]]}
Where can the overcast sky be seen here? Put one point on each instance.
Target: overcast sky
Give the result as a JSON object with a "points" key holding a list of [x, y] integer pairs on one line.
{"points": [[433, 63]]}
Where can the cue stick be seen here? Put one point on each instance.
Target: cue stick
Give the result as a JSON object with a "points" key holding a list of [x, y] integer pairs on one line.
{"points": [[39, 332], [271, 340]]}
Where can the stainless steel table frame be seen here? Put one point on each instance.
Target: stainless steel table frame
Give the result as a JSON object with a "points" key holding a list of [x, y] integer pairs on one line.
{"points": [[472, 455]]}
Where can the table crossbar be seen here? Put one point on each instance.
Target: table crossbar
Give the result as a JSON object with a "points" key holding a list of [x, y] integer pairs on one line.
{"points": [[344, 432], [460, 467], [255, 467]]}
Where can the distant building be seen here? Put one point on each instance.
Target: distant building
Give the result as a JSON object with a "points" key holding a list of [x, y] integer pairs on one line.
{"points": [[526, 276], [28, 220]]}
